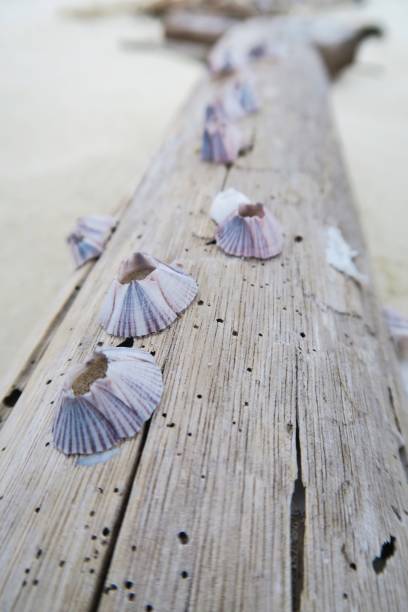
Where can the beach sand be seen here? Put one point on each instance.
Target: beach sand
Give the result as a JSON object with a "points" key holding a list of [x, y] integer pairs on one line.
{"points": [[81, 116]]}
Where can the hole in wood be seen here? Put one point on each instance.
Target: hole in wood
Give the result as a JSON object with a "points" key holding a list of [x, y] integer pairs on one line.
{"points": [[183, 537], [127, 343], [11, 400], [387, 551]]}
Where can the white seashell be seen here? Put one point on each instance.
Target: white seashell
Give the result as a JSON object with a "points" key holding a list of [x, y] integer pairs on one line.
{"points": [[340, 255], [240, 100], [89, 237], [226, 202], [250, 231], [146, 297], [397, 323], [95, 458], [106, 400], [222, 140]]}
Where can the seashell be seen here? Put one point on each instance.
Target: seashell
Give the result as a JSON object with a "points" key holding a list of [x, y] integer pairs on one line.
{"points": [[95, 458], [221, 139], [106, 400], [398, 327], [258, 51], [226, 202], [222, 61], [89, 237], [250, 231], [146, 297], [340, 255], [240, 100]]}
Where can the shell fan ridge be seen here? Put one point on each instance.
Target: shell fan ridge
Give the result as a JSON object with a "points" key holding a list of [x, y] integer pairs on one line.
{"points": [[106, 400], [89, 237], [250, 231], [146, 297], [222, 141]]}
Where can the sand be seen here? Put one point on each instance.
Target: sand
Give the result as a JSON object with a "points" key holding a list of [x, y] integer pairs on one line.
{"points": [[81, 116]]}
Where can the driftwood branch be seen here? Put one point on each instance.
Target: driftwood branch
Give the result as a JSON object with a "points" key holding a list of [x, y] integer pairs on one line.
{"points": [[337, 42], [272, 475]]}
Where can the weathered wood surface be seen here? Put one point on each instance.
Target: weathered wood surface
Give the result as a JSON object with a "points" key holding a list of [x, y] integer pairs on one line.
{"points": [[279, 378], [236, 8], [337, 40], [201, 27], [20, 370]]}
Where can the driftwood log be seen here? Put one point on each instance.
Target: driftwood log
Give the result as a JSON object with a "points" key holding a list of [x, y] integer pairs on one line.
{"points": [[272, 475], [240, 9], [337, 41]]}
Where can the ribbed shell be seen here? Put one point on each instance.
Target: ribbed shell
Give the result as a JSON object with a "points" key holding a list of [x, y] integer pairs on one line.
{"points": [[141, 307], [89, 237], [397, 324], [225, 203], [114, 408], [240, 100], [221, 139], [242, 235]]}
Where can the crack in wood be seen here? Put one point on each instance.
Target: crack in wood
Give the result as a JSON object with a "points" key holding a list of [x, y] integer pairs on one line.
{"points": [[297, 518], [328, 307], [34, 356], [387, 551], [100, 585]]}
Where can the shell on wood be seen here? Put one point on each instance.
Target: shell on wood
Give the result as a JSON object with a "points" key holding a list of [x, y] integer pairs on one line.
{"points": [[146, 297], [239, 100], [340, 255], [398, 327], [221, 142], [89, 237], [222, 61], [226, 202], [106, 400], [250, 231]]}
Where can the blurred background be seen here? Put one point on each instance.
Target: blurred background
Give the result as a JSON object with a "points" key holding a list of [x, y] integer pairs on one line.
{"points": [[87, 92]]}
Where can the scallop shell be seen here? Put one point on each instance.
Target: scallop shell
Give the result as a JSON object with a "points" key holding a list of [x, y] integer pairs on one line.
{"points": [[397, 325], [258, 50], [146, 297], [222, 61], [106, 400], [250, 231], [89, 237], [226, 202], [240, 100], [221, 138]]}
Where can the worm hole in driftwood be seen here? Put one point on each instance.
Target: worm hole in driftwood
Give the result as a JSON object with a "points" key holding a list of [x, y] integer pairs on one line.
{"points": [[11, 400], [387, 551]]}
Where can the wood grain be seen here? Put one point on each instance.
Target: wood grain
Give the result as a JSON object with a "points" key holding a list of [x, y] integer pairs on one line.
{"points": [[278, 378], [225, 473]]}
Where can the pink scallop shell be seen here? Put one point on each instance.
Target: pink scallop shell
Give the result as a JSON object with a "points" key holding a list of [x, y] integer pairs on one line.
{"points": [[222, 140], [89, 237], [115, 406], [137, 308], [250, 231]]}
